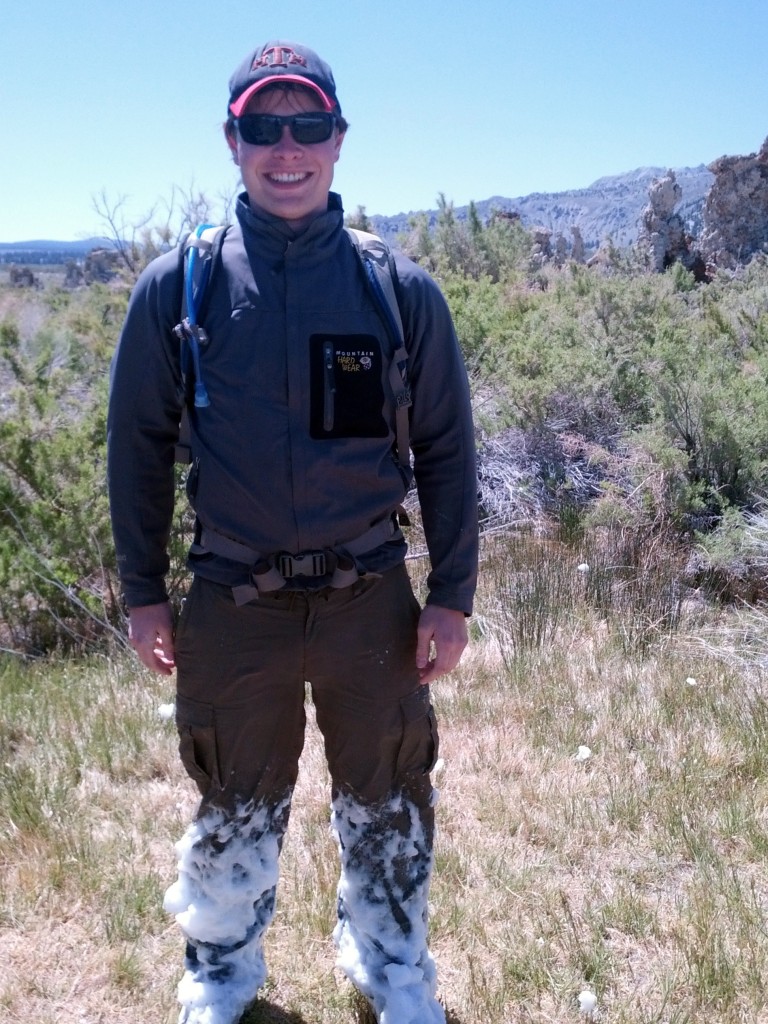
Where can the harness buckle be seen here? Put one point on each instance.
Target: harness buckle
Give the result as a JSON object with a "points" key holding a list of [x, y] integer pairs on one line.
{"points": [[305, 563], [187, 331]]}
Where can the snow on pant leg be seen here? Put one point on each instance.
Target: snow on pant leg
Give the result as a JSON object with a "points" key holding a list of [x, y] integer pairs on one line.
{"points": [[223, 901], [381, 933], [381, 742], [240, 716]]}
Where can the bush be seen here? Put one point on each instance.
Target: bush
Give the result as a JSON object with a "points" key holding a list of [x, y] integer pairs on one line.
{"points": [[627, 401]]}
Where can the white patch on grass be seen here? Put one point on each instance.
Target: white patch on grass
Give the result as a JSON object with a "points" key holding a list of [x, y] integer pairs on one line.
{"points": [[587, 1002]]}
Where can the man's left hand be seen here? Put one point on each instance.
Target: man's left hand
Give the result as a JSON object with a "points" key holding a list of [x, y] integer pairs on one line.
{"points": [[442, 637]]}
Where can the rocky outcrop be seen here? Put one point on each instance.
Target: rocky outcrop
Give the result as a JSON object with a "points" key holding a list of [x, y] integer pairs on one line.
{"points": [[22, 277], [662, 239], [541, 247], [577, 248], [736, 210], [101, 265]]}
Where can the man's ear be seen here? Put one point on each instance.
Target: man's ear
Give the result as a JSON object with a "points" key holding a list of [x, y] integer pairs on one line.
{"points": [[230, 134], [340, 136]]}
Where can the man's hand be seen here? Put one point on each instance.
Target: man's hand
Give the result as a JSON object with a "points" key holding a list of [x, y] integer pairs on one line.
{"points": [[442, 633], [150, 631]]}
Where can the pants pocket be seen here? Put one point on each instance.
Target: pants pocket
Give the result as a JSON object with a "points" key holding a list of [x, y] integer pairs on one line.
{"points": [[195, 722], [420, 744]]}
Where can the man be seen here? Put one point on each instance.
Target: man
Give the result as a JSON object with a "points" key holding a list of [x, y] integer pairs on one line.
{"points": [[298, 563]]}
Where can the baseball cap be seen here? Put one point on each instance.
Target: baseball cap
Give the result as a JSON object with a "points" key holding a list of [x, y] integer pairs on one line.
{"points": [[281, 62]]}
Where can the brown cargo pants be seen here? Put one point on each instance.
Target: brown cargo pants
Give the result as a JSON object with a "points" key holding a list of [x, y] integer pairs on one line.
{"points": [[242, 675], [242, 684]]}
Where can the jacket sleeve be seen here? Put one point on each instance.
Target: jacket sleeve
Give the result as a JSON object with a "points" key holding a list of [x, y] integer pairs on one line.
{"points": [[142, 428], [442, 440]]}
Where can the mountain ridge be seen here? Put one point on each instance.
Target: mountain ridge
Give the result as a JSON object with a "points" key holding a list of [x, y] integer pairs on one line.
{"points": [[610, 207]]}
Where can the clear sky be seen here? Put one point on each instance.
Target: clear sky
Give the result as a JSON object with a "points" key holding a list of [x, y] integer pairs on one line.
{"points": [[472, 99]]}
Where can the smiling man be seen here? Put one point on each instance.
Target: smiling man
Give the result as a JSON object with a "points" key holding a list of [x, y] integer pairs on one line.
{"points": [[299, 561]]}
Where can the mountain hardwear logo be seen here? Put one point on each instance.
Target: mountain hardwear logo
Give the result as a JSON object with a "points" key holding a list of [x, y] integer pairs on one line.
{"points": [[278, 57]]}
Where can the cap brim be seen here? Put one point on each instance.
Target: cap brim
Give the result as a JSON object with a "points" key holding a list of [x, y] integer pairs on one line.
{"points": [[242, 100]]}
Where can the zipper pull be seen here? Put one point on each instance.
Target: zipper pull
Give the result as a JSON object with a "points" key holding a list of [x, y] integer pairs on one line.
{"points": [[330, 386]]}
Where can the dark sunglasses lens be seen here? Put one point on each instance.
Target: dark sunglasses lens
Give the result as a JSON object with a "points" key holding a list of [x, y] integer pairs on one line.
{"points": [[266, 129], [259, 129], [311, 128]]}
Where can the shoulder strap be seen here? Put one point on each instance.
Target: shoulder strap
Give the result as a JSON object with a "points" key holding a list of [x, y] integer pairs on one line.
{"points": [[380, 274], [199, 256]]}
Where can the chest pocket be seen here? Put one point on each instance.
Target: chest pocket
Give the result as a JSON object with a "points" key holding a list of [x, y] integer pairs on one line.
{"points": [[346, 391]]}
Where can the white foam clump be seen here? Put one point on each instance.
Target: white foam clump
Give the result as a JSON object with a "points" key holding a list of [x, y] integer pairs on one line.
{"points": [[583, 753], [165, 712], [384, 953], [587, 1001], [213, 897], [223, 891]]}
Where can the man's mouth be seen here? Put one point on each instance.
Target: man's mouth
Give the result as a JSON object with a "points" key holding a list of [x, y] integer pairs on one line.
{"points": [[288, 179]]}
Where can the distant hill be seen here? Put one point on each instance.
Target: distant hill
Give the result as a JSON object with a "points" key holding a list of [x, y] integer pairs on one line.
{"points": [[609, 207], [45, 252]]}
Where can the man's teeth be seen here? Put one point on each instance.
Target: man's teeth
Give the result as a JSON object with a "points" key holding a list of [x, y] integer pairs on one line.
{"points": [[287, 177]]}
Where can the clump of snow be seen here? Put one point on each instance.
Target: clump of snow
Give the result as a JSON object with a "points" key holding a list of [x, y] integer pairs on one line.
{"points": [[381, 934], [587, 1002], [223, 901]]}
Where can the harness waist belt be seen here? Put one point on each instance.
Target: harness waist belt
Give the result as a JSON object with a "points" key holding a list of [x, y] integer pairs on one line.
{"points": [[269, 572]]}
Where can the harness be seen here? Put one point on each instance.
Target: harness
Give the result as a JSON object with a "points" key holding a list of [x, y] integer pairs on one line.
{"points": [[199, 257]]}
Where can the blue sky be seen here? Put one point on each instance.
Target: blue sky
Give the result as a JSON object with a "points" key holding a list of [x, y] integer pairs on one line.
{"points": [[490, 97]]}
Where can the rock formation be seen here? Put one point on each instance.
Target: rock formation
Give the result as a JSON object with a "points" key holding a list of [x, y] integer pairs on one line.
{"points": [[541, 248], [22, 277], [577, 250], [544, 252], [736, 210], [101, 265], [662, 239]]}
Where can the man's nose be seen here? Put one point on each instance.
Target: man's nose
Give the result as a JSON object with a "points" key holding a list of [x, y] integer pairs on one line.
{"points": [[286, 143]]}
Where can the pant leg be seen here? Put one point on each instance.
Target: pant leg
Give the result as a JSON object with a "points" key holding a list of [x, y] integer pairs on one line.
{"points": [[223, 901], [240, 715], [381, 742]]}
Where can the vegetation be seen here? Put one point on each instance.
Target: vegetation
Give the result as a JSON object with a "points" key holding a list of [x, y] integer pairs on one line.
{"points": [[603, 395], [603, 744], [601, 821]]}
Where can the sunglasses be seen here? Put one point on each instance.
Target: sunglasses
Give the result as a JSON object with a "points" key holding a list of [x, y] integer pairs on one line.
{"points": [[267, 129]]}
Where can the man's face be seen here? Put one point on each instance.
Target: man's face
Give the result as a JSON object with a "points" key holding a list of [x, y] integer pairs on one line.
{"points": [[287, 179]]}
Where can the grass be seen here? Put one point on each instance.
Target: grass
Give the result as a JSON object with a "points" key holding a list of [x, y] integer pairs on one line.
{"points": [[636, 870]]}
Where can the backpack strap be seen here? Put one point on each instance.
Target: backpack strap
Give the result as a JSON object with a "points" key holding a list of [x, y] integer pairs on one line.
{"points": [[381, 275], [198, 257]]}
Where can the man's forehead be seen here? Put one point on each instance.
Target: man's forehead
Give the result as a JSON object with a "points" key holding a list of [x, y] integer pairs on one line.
{"points": [[300, 97]]}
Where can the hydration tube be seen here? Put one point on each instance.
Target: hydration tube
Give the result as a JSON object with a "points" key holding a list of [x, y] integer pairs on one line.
{"points": [[193, 293]]}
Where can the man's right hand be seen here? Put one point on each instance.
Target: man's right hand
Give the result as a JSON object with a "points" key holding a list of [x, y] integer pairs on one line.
{"points": [[150, 630]]}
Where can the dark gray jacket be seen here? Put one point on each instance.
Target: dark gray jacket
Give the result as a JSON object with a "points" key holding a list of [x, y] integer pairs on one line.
{"points": [[286, 457]]}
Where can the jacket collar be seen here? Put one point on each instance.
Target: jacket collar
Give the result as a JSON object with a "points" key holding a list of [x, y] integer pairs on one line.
{"points": [[272, 237]]}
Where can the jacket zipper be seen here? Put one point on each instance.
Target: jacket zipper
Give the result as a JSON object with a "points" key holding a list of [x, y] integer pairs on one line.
{"points": [[330, 386]]}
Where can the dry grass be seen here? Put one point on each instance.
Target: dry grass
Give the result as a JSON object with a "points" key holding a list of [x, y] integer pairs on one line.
{"points": [[637, 870]]}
